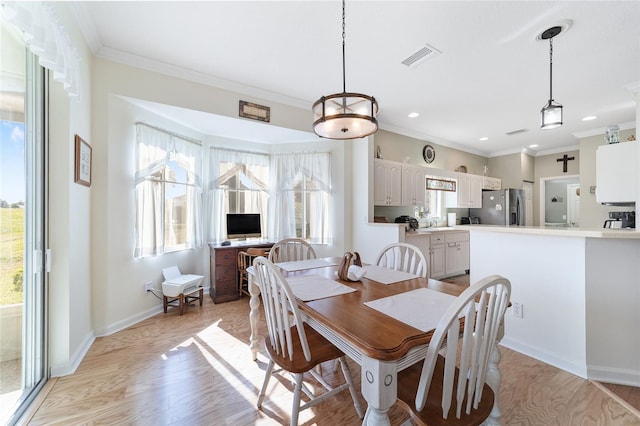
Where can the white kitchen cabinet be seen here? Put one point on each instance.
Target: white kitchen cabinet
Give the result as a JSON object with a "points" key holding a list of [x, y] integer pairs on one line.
{"points": [[413, 185], [469, 191], [437, 256], [387, 183], [423, 242], [448, 254], [457, 253], [617, 172], [491, 183]]}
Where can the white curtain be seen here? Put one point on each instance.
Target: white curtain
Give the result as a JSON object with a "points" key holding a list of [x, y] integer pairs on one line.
{"points": [[154, 149], [216, 199], [47, 39], [285, 172]]}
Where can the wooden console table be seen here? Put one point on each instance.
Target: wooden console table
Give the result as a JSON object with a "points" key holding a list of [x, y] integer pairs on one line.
{"points": [[224, 268]]}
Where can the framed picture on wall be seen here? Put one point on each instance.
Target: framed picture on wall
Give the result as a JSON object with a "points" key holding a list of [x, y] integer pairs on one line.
{"points": [[441, 184], [82, 173]]}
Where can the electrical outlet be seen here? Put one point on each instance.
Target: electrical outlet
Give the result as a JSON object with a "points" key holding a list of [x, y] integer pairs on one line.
{"points": [[517, 309], [148, 286]]}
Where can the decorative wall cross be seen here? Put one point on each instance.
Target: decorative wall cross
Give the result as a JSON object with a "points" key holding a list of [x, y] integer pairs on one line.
{"points": [[565, 159]]}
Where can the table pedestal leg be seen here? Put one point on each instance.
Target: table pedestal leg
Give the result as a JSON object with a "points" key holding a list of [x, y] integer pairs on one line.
{"points": [[493, 380], [254, 303], [379, 386]]}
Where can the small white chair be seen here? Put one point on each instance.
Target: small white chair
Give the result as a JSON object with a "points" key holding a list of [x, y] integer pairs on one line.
{"points": [[290, 249], [403, 257], [293, 344], [426, 389]]}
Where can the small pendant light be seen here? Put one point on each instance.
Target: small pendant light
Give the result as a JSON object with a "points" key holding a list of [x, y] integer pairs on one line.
{"points": [[551, 113], [345, 115]]}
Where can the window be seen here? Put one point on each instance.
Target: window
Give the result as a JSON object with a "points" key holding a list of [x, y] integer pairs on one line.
{"points": [[299, 205], [168, 192], [239, 184]]}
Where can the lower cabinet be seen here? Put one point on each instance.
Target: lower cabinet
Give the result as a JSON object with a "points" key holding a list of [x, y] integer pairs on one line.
{"points": [[457, 253], [447, 253], [437, 261]]}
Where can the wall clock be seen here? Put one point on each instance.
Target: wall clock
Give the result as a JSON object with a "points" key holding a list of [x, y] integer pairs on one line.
{"points": [[428, 153]]}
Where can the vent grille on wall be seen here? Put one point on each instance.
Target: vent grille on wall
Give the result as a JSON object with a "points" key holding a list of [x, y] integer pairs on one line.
{"points": [[418, 57]]}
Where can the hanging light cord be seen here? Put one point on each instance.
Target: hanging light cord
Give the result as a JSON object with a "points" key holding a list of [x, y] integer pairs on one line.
{"points": [[344, 78], [551, 68]]}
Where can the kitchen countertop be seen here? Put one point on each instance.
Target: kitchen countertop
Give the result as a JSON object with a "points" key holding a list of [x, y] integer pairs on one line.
{"points": [[556, 231]]}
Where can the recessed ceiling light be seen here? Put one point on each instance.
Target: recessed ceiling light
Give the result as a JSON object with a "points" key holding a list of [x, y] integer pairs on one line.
{"points": [[413, 114], [589, 118], [535, 145], [484, 138]]}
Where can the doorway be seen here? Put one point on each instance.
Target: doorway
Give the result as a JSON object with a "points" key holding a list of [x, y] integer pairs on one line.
{"points": [[555, 199]]}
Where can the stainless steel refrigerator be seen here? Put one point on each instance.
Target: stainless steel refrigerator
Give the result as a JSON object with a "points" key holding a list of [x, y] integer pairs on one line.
{"points": [[505, 207]]}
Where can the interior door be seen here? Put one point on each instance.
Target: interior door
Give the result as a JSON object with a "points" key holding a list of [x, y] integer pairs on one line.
{"points": [[573, 204]]}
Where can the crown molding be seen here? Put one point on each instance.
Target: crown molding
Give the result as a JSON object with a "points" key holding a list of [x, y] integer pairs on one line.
{"points": [[558, 150], [602, 130], [198, 77], [87, 26], [429, 138]]}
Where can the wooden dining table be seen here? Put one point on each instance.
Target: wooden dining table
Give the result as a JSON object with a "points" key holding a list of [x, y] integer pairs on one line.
{"points": [[380, 344]]}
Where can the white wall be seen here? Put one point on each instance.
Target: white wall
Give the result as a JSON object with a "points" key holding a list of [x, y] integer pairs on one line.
{"points": [[547, 275], [613, 310], [118, 278], [70, 236]]}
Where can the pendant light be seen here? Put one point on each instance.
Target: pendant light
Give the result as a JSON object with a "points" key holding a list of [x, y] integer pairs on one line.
{"points": [[345, 115], [551, 113]]}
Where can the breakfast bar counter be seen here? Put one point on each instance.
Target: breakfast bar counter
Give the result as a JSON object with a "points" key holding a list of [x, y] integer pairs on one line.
{"points": [[577, 292]]}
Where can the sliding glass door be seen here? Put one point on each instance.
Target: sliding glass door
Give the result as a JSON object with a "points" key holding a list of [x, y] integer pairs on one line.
{"points": [[22, 227]]}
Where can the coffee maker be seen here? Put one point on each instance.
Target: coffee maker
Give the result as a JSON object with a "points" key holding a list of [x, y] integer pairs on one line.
{"points": [[626, 219]]}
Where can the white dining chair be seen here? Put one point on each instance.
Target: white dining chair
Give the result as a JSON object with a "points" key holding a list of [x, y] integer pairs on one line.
{"points": [[449, 386], [403, 257], [290, 249], [293, 345]]}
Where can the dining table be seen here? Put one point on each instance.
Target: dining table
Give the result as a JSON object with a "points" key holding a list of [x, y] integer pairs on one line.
{"points": [[354, 320]]}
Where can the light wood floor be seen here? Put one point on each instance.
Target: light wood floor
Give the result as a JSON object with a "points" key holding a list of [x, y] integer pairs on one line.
{"points": [[197, 370]]}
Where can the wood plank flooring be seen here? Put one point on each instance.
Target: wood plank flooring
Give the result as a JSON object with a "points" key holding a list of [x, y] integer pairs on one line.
{"points": [[196, 369]]}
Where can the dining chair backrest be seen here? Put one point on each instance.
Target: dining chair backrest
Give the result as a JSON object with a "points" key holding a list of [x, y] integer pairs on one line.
{"points": [[403, 257], [482, 307], [281, 309], [291, 249]]}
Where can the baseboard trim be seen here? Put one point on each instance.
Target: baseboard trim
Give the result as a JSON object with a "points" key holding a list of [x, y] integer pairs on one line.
{"points": [[563, 364], [74, 361], [128, 322], [614, 375]]}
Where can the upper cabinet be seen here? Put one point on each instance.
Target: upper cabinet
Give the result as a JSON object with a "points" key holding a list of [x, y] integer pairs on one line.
{"points": [[387, 183], [617, 173], [491, 183], [469, 193], [413, 185]]}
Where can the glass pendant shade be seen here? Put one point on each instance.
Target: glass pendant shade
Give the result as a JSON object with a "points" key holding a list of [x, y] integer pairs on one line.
{"points": [[345, 116], [551, 115]]}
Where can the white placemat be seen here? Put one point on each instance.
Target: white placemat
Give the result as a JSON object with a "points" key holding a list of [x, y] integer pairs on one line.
{"points": [[312, 287], [421, 308], [301, 265], [386, 275]]}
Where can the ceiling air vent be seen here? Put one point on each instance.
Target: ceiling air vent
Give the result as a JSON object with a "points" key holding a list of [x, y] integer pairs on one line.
{"points": [[418, 57], [516, 132]]}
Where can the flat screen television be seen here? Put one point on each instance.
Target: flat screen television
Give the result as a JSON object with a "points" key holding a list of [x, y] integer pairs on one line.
{"points": [[243, 225]]}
